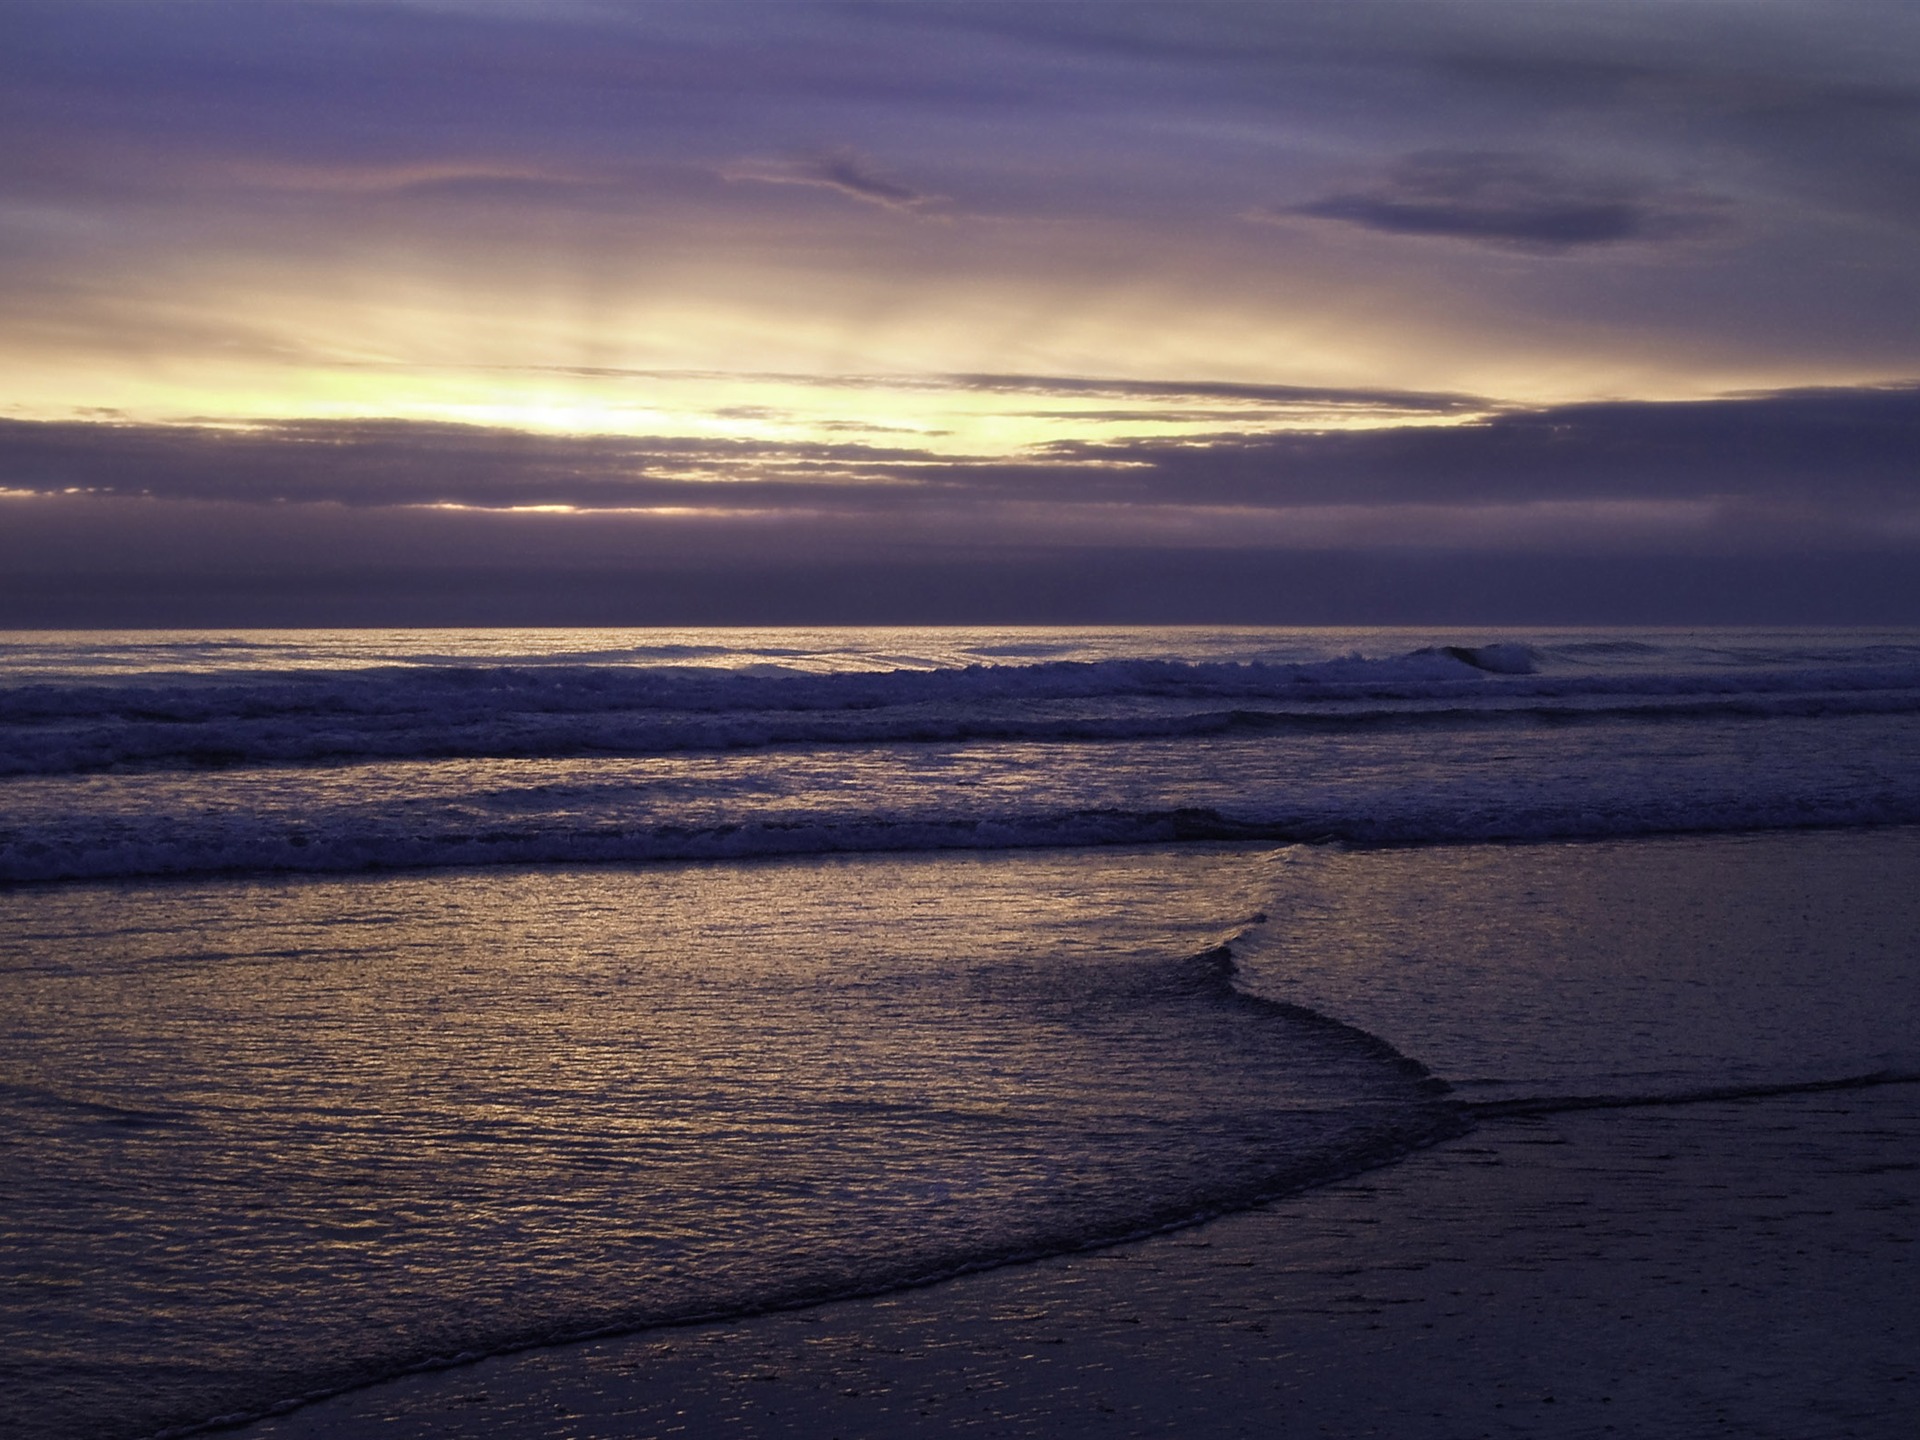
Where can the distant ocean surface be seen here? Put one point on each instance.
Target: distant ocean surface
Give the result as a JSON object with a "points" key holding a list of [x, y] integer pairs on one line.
{"points": [[131, 755], [374, 999]]}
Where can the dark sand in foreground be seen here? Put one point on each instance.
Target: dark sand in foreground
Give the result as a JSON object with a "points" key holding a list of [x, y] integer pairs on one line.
{"points": [[1730, 1268]]}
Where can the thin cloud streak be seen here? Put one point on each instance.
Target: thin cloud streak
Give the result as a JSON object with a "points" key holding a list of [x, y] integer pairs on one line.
{"points": [[1065, 386], [842, 172]]}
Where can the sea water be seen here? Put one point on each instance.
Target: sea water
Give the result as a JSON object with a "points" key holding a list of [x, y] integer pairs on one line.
{"points": [[377, 999]]}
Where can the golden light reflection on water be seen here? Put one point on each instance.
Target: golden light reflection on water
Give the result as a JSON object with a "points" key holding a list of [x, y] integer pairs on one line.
{"points": [[300, 1131]]}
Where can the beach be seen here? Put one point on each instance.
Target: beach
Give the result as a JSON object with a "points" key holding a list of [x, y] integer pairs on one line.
{"points": [[1737, 1268], [1665, 1266], [959, 717], [1034, 1032]]}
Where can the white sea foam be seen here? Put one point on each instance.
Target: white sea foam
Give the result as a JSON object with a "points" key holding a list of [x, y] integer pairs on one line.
{"points": [[456, 760]]}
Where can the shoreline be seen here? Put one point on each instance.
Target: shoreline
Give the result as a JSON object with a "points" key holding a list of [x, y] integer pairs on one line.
{"points": [[1664, 969], [1737, 1267]]}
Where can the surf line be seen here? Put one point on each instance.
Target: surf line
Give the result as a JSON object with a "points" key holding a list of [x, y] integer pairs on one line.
{"points": [[1560, 1104]]}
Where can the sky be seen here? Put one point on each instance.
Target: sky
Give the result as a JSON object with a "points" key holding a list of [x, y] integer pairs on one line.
{"points": [[1400, 311]]}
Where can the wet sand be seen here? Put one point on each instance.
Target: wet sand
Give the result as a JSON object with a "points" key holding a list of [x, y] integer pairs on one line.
{"points": [[1740, 1268]]}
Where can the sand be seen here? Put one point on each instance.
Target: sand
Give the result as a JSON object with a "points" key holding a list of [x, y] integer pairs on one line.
{"points": [[1742, 1268]]}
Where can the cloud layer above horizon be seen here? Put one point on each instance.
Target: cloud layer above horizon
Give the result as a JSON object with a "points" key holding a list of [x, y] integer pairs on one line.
{"points": [[608, 285]]}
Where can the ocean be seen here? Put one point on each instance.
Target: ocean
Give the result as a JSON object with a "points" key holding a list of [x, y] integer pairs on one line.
{"points": [[376, 1000]]}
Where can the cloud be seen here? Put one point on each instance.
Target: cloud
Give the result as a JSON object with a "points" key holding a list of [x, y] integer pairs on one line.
{"points": [[1324, 397], [842, 171], [406, 463], [1799, 507], [1302, 396], [1514, 201], [1781, 470], [1852, 455], [1101, 153]]}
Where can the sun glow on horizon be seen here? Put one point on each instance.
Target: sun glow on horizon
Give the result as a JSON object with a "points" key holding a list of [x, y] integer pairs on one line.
{"points": [[901, 415]]}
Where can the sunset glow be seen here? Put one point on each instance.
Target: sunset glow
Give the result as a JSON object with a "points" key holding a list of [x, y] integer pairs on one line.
{"points": [[1017, 277]]}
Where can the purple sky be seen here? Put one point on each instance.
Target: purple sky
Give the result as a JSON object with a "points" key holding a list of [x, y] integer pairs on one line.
{"points": [[471, 310]]}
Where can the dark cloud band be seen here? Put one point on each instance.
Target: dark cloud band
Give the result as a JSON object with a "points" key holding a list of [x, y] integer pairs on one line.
{"points": [[1821, 448]]}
